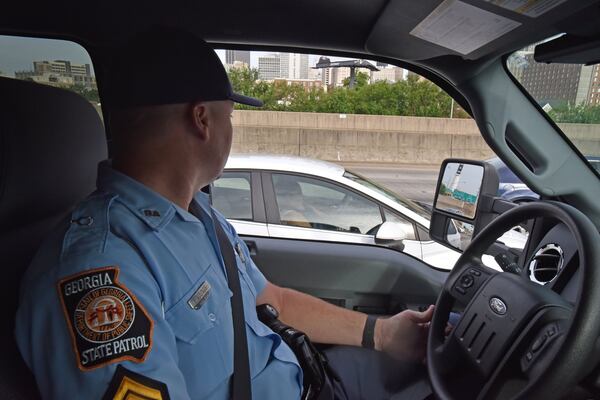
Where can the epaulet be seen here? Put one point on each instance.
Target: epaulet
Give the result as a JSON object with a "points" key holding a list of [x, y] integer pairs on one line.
{"points": [[89, 225]]}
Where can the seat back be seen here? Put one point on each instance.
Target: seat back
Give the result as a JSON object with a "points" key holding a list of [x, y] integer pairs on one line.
{"points": [[51, 141]]}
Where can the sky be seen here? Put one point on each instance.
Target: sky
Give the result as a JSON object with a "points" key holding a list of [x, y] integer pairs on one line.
{"points": [[18, 53], [470, 177]]}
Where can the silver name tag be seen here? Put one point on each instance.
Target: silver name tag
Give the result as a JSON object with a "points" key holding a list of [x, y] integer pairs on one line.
{"points": [[200, 296], [240, 252]]}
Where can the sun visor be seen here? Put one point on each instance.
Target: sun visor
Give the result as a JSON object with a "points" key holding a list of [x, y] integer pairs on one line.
{"points": [[569, 49], [466, 28]]}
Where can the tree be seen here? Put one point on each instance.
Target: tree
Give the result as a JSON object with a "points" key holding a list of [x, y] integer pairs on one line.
{"points": [[413, 97], [362, 79], [88, 94], [580, 114]]}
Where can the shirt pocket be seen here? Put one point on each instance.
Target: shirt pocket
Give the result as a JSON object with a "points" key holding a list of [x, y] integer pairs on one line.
{"points": [[189, 323], [204, 335]]}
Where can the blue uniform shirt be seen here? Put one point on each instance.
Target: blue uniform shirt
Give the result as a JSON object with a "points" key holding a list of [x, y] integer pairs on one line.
{"points": [[130, 293]]}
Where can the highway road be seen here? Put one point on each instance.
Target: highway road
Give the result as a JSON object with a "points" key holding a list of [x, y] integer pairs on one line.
{"points": [[417, 182]]}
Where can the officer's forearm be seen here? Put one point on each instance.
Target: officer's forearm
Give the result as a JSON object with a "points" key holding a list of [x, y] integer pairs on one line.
{"points": [[321, 321]]}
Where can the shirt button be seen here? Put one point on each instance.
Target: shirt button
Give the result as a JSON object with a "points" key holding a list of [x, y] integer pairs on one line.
{"points": [[212, 317]]}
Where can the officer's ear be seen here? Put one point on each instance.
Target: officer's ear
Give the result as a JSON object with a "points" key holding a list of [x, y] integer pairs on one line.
{"points": [[200, 120]]}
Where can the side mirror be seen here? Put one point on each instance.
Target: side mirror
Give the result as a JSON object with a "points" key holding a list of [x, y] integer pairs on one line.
{"points": [[463, 201], [391, 234]]}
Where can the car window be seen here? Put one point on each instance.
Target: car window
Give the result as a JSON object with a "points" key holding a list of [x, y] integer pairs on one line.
{"points": [[313, 203], [568, 93], [232, 195], [392, 217], [58, 63], [380, 125]]}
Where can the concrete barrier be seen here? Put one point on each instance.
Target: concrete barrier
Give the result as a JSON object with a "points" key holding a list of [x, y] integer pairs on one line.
{"points": [[374, 138]]}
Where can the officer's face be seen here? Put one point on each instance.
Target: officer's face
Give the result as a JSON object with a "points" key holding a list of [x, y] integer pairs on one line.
{"points": [[221, 132]]}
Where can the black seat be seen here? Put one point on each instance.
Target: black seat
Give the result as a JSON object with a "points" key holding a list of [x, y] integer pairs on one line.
{"points": [[51, 141]]}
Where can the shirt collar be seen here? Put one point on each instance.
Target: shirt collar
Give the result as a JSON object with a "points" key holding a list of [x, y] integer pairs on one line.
{"points": [[155, 210]]}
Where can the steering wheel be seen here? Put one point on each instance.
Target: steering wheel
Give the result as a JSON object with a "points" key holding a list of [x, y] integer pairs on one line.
{"points": [[516, 339]]}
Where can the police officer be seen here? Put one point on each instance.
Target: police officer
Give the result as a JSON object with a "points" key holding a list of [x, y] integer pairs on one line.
{"points": [[129, 296]]}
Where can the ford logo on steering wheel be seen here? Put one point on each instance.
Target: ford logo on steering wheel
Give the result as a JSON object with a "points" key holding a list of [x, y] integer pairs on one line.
{"points": [[497, 306]]}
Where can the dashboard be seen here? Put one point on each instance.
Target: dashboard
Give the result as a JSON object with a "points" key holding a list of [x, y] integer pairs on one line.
{"points": [[554, 263]]}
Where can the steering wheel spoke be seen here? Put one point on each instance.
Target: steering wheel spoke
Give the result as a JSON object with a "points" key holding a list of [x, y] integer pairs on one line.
{"points": [[528, 355], [463, 284]]}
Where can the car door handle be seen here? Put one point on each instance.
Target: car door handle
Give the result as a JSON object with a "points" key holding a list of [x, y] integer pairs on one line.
{"points": [[251, 244]]}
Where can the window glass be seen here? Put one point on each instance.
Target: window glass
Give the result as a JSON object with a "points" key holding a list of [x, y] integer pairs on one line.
{"points": [[311, 203], [568, 93], [381, 126], [232, 196], [392, 217], [52, 62]]}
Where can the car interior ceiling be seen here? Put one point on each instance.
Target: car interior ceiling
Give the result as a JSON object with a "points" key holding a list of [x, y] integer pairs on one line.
{"points": [[52, 140]]}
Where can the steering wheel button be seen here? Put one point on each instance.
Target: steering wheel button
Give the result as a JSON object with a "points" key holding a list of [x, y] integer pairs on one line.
{"points": [[467, 281], [551, 331], [539, 342], [460, 290], [475, 272], [529, 356]]}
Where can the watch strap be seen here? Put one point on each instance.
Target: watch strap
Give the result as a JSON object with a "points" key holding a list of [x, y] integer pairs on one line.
{"points": [[368, 339]]}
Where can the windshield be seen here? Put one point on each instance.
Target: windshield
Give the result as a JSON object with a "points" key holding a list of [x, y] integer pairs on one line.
{"points": [[568, 93], [403, 201]]}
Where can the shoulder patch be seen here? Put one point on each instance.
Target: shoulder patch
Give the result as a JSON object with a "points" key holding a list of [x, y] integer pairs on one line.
{"points": [[127, 385], [106, 322]]}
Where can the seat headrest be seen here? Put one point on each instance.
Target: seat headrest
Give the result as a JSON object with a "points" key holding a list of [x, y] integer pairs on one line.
{"points": [[51, 141]]}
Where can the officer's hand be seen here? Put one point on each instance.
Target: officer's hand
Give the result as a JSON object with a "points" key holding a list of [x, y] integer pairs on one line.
{"points": [[404, 336]]}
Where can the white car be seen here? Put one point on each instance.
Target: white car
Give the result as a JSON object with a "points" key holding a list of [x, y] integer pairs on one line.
{"points": [[300, 198]]}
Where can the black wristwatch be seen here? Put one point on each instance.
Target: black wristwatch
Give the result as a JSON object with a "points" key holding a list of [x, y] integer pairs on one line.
{"points": [[368, 339]]}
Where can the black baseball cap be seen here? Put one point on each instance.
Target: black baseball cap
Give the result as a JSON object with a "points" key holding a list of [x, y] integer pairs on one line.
{"points": [[168, 66]]}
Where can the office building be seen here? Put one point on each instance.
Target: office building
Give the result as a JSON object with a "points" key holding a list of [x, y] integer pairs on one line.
{"points": [[553, 84], [389, 74], [269, 67], [594, 91], [307, 84], [59, 73], [340, 74], [294, 66], [231, 56]]}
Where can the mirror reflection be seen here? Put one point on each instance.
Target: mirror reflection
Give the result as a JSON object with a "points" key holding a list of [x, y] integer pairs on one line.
{"points": [[459, 234], [459, 190]]}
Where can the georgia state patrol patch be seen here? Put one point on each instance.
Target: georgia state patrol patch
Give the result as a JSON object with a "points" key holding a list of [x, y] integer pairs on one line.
{"points": [[106, 322]]}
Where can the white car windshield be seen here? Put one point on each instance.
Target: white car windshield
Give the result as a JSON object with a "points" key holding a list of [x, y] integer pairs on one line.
{"points": [[403, 201]]}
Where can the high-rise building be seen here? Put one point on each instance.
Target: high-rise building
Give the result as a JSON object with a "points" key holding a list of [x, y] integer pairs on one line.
{"points": [[327, 76], [554, 84], [269, 67], [594, 91], [294, 66], [231, 56], [315, 74]]}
